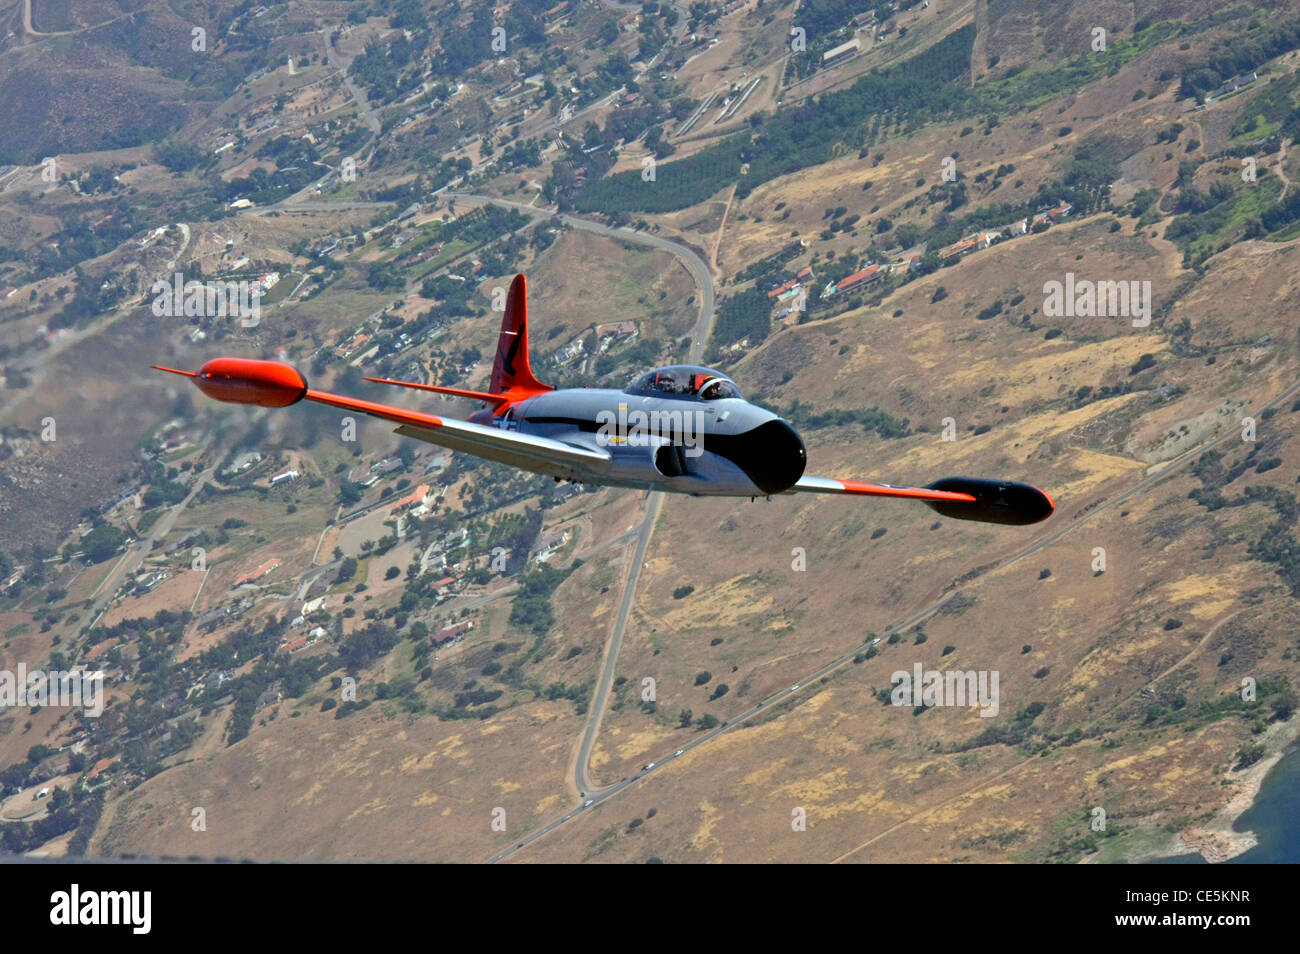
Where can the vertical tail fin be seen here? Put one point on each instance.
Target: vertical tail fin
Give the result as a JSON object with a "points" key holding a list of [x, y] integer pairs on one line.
{"points": [[512, 370]]}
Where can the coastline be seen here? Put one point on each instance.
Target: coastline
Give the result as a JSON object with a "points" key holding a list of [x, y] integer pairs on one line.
{"points": [[1217, 840]]}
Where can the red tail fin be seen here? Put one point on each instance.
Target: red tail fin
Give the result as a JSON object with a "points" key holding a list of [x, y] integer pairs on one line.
{"points": [[511, 372]]}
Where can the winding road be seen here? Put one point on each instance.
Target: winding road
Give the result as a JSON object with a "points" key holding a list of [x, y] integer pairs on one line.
{"points": [[696, 265], [699, 270], [30, 30], [136, 552], [335, 60]]}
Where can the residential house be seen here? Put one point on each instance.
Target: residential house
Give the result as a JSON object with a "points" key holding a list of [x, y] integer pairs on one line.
{"points": [[863, 277], [852, 46], [257, 574], [958, 248], [549, 543], [414, 499], [449, 633], [781, 289]]}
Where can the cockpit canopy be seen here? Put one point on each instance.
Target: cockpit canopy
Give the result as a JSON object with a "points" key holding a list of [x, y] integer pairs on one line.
{"points": [[686, 381]]}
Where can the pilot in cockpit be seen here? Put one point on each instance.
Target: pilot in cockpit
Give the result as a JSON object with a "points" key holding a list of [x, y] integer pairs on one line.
{"points": [[712, 391]]}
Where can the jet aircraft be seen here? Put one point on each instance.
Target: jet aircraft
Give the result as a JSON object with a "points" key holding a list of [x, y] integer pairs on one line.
{"points": [[682, 428]]}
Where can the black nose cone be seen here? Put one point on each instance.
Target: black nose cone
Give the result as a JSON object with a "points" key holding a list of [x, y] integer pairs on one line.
{"points": [[772, 455]]}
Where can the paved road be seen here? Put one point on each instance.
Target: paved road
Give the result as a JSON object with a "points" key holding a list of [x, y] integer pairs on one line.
{"points": [[31, 30], [185, 244], [369, 116], [544, 125], [596, 711], [136, 552], [699, 271], [698, 268], [292, 205], [335, 60]]}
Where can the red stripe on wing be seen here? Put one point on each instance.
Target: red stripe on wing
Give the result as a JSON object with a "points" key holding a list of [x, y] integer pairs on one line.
{"points": [[386, 411], [914, 493]]}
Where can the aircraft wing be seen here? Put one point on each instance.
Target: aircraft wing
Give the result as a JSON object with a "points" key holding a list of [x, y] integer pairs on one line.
{"points": [[965, 498], [530, 452], [275, 384]]}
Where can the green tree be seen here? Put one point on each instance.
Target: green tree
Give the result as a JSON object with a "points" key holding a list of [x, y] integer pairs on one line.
{"points": [[347, 570], [102, 542]]}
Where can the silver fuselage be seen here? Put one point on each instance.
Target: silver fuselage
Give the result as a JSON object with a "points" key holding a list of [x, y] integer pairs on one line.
{"points": [[725, 447]]}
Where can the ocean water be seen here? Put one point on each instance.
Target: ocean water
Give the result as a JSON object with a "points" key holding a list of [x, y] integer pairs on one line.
{"points": [[1274, 818]]}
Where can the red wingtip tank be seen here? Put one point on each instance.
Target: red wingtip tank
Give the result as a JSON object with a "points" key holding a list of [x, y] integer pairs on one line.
{"points": [[248, 381]]}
